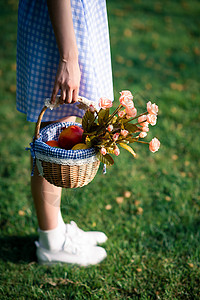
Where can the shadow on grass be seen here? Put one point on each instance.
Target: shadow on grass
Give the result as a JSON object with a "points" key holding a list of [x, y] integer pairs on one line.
{"points": [[18, 249]]}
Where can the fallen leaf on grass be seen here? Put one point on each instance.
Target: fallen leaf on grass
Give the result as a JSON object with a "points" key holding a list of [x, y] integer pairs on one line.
{"points": [[13, 67], [164, 172], [127, 32], [21, 213], [196, 50], [139, 211], [174, 109], [108, 207], [183, 174], [127, 194], [13, 88], [119, 200], [148, 86], [139, 270], [190, 265], [51, 282], [174, 157], [142, 56], [118, 12], [177, 86], [94, 224], [180, 126], [129, 63], [168, 198], [119, 59]]}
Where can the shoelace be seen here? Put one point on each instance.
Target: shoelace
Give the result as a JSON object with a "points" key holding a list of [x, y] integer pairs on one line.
{"points": [[73, 229], [70, 247]]}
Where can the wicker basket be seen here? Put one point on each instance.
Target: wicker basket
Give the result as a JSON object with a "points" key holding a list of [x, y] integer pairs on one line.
{"points": [[63, 168]]}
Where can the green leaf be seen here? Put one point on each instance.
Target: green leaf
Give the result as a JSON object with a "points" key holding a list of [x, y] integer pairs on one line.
{"points": [[132, 139], [88, 142], [130, 127], [103, 116], [88, 120], [128, 148], [105, 159]]}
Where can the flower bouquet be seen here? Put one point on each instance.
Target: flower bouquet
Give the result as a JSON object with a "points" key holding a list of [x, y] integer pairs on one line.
{"points": [[105, 132]]}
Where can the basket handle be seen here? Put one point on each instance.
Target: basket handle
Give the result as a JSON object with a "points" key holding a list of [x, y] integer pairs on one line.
{"points": [[84, 103]]}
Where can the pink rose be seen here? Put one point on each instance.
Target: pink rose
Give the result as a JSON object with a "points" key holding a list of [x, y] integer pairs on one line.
{"points": [[126, 99], [152, 108], [103, 151], [126, 94], [116, 151], [92, 108], [131, 112], [142, 119], [145, 124], [124, 132], [121, 113], [151, 119], [115, 136], [142, 134], [105, 103], [154, 145], [127, 102], [145, 129], [110, 127]]}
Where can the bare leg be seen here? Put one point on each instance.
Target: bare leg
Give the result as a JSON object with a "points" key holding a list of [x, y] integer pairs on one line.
{"points": [[47, 197]]}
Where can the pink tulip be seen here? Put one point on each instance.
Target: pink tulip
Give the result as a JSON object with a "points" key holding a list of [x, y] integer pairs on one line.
{"points": [[154, 145], [103, 151], [105, 103], [152, 108]]}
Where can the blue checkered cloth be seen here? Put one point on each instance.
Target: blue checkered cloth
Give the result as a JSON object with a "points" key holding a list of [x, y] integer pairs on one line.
{"points": [[52, 132], [38, 56]]}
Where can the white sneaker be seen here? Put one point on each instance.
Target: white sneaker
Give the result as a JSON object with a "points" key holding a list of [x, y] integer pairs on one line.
{"points": [[79, 236], [71, 253]]}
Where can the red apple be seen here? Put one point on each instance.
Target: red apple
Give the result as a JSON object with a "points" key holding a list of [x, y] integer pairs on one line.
{"points": [[53, 143], [70, 136]]}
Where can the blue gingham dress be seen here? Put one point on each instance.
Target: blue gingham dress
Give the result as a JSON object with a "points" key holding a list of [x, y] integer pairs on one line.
{"points": [[38, 56]]}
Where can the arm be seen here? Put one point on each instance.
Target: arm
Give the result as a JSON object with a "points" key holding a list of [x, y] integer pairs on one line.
{"points": [[68, 73]]}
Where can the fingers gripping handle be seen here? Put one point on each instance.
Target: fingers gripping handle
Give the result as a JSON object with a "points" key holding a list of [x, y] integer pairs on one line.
{"points": [[83, 102]]}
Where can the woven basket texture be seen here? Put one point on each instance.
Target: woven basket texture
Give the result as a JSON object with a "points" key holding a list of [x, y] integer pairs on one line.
{"points": [[64, 175]]}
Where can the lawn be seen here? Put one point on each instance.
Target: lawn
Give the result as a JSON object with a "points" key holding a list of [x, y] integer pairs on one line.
{"points": [[148, 206]]}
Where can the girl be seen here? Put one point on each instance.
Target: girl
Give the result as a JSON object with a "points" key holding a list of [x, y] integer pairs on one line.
{"points": [[62, 47]]}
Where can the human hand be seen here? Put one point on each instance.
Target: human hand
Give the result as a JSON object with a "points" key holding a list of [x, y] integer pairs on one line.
{"points": [[67, 80]]}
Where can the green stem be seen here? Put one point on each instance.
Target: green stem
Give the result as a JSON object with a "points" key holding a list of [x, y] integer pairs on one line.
{"points": [[128, 120], [114, 113], [142, 142], [110, 118]]}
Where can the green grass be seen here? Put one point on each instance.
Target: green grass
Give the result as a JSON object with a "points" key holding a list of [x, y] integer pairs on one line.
{"points": [[154, 235]]}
